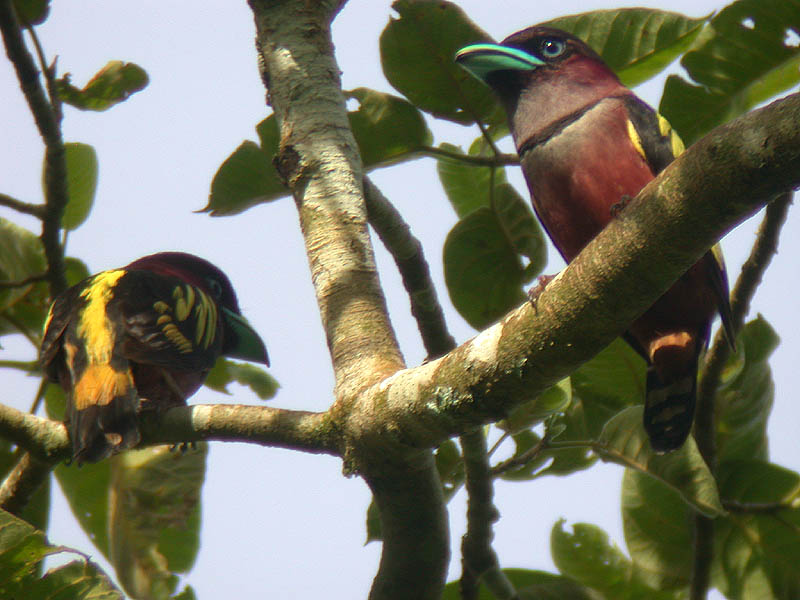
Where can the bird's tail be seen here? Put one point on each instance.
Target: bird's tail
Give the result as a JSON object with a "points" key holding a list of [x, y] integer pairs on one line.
{"points": [[102, 415], [671, 391]]}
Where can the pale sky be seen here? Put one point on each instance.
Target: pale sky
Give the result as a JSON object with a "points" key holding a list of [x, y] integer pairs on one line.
{"points": [[276, 523]]}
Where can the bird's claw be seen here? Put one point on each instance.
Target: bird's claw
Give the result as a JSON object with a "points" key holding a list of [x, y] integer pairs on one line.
{"points": [[617, 207], [536, 290]]}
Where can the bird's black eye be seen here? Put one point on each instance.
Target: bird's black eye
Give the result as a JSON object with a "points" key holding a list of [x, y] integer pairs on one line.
{"points": [[215, 288], [552, 48]]}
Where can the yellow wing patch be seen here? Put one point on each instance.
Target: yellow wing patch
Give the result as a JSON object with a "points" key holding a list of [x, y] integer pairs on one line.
{"points": [[667, 131], [99, 385], [635, 139], [93, 326], [186, 298]]}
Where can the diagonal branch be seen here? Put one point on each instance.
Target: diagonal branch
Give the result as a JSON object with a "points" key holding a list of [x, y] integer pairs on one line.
{"points": [[407, 253]]}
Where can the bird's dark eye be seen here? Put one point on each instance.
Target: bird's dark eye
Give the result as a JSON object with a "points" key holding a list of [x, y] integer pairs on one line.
{"points": [[552, 47], [215, 288]]}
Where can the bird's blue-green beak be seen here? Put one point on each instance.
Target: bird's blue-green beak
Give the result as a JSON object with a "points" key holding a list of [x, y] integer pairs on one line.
{"points": [[482, 59], [241, 339]]}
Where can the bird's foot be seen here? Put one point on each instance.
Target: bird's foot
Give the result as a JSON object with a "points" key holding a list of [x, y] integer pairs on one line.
{"points": [[619, 206], [536, 290], [183, 447]]}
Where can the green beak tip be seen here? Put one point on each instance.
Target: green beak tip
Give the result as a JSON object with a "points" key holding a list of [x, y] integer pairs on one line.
{"points": [[247, 344], [483, 59]]}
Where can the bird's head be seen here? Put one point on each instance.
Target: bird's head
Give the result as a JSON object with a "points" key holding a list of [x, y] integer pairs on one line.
{"points": [[541, 75], [241, 340]]}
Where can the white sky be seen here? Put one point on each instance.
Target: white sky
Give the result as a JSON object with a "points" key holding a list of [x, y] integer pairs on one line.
{"points": [[283, 524]]}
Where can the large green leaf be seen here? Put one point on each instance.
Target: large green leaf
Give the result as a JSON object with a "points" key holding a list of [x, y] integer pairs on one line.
{"points": [[530, 585], [387, 128], [468, 186], [760, 540], [155, 517], [22, 309], [22, 549], [112, 84], [246, 178], [624, 441], [32, 12], [256, 378], [588, 556], [743, 405], [553, 400], [656, 522], [747, 58], [637, 43], [483, 272], [82, 169], [417, 52]]}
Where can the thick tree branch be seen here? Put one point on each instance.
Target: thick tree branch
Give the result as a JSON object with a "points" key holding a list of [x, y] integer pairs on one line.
{"points": [[24, 479], [319, 160], [48, 123]]}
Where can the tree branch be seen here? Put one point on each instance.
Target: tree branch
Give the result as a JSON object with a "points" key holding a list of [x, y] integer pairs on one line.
{"points": [[35, 210], [297, 430], [48, 123], [407, 252], [498, 160]]}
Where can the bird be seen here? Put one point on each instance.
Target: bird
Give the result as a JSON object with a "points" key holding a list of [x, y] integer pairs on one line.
{"points": [[141, 337], [587, 145]]}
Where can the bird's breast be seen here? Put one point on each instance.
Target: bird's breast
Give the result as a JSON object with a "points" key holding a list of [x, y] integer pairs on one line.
{"points": [[576, 176]]}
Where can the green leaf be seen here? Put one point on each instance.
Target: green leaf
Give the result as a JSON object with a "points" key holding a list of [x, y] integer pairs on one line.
{"points": [[743, 405], [530, 585], [745, 60], [656, 522], [256, 378], [154, 518], [624, 441], [761, 542], [32, 12], [374, 528], [614, 379], [573, 427], [588, 556], [637, 43], [388, 129], [450, 466], [553, 400], [112, 84], [81, 183], [417, 52], [483, 272], [22, 549], [520, 227], [22, 309], [468, 187], [245, 179]]}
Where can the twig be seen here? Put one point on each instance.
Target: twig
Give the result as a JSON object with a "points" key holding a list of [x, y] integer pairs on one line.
{"points": [[36, 210], [756, 507], [765, 246], [498, 160], [407, 252], [23, 282], [518, 461]]}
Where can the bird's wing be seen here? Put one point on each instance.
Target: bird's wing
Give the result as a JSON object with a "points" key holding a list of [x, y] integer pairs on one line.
{"points": [[58, 317], [169, 323], [660, 144]]}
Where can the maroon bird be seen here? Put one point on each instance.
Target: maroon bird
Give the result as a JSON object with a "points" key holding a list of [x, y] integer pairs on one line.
{"points": [[141, 337], [587, 144]]}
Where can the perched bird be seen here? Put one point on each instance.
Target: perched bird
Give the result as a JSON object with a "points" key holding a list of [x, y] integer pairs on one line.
{"points": [[141, 337], [587, 144]]}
